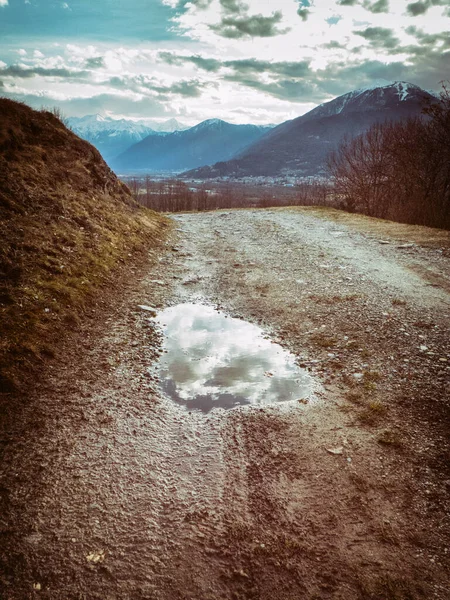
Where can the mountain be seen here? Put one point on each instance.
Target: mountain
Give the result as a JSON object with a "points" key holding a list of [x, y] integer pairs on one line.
{"points": [[206, 143], [110, 136], [67, 225], [300, 147], [167, 126]]}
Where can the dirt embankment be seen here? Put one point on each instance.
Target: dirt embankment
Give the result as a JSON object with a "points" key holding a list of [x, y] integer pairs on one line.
{"points": [[67, 225], [112, 491]]}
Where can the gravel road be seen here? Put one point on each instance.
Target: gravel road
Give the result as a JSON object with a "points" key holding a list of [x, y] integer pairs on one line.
{"points": [[111, 491]]}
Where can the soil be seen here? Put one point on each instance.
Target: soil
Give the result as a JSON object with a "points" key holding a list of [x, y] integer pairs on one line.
{"points": [[111, 491]]}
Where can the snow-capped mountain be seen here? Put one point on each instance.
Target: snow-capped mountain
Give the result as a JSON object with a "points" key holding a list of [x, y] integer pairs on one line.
{"points": [[113, 136], [300, 147], [168, 126], [205, 143]]}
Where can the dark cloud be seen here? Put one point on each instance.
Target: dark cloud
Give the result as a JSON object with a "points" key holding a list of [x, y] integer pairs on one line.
{"points": [[234, 6], [139, 84], [28, 72], [429, 39], [373, 6], [96, 62], [207, 64], [334, 45], [251, 26], [202, 4], [379, 6], [248, 65], [415, 9], [380, 37], [188, 89], [303, 13], [283, 89], [120, 105]]}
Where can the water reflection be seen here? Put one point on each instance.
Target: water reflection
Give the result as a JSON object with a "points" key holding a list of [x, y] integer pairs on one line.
{"points": [[212, 360]]}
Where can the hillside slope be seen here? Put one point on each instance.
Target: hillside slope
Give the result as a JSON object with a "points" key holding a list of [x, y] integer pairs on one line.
{"points": [[300, 147], [66, 224], [208, 142]]}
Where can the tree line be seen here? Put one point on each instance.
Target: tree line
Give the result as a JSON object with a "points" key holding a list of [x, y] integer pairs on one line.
{"points": [[398, 171], [174, 195]]}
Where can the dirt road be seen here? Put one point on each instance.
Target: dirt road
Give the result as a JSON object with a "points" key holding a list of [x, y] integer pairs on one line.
{"points": [[111, 491]]}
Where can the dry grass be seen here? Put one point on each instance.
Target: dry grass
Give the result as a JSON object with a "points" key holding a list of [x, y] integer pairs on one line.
{"points": [[323, 340], [67, 225], [373, 412], [384, 229]]}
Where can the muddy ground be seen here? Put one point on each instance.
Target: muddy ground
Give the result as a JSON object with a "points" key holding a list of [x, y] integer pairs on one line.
{"points": [[111, 491]]}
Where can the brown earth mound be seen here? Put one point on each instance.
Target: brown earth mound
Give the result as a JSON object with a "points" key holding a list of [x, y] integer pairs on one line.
{"points": [[66, 224]]}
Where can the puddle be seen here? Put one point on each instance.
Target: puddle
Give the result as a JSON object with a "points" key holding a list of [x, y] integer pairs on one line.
{"points": [[211, 360]]}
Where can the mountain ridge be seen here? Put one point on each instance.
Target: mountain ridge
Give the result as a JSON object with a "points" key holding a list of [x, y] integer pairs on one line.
{"points": [[300, 146], [210, 141]]}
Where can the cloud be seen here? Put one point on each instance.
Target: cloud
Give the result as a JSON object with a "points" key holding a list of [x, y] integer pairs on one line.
{"points": [[211, 65], [114, 104], [3, 3], [380, 37], [373, 6], [251, 26], [95, 62], [415, 9], [142, 84], [28, 72], [234, 6], [303, 13], [379, 6], [247, 65]]}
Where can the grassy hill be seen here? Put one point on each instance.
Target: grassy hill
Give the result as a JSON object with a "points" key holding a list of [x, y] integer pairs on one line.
{"points": [[67, 225]]}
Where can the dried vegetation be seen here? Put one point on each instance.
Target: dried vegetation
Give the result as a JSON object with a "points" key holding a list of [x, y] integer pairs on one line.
{"points": [[66, 224]]}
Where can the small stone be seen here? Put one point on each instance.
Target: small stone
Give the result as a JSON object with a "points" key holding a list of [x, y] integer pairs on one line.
{"points": [[358, 376], [37, 586], [423, 348], [149, 309], [338, 450]]}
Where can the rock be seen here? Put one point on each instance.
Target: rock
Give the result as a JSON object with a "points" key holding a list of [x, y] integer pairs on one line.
{"points": [[338, 450], [96, 557], [358, 376], [149, 309]]}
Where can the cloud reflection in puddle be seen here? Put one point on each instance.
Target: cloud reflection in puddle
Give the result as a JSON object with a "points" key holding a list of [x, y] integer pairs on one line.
{"points": [[211, 360]]}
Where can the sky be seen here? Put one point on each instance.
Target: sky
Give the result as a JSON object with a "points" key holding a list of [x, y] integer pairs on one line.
{"points": [[244, 61]]}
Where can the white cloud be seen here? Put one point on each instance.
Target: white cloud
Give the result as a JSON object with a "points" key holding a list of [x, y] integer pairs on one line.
{"points": [[3, 3]]}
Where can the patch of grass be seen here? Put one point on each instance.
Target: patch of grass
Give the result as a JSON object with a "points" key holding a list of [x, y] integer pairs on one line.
{"points": [[333, 299], [355, 397], [373, 412], [323, 340], [391, 438], [398, 302]]}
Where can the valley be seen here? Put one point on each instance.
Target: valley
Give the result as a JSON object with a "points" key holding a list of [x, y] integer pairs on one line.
{"points": [[112, 490]]}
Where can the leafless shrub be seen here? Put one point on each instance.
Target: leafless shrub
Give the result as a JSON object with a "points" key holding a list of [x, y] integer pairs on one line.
{"points": [[399, 171]]}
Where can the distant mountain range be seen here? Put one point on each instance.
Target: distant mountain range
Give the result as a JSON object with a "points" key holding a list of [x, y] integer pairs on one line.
{"points": [[206, 143], [113, 136], [300, 147]]}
